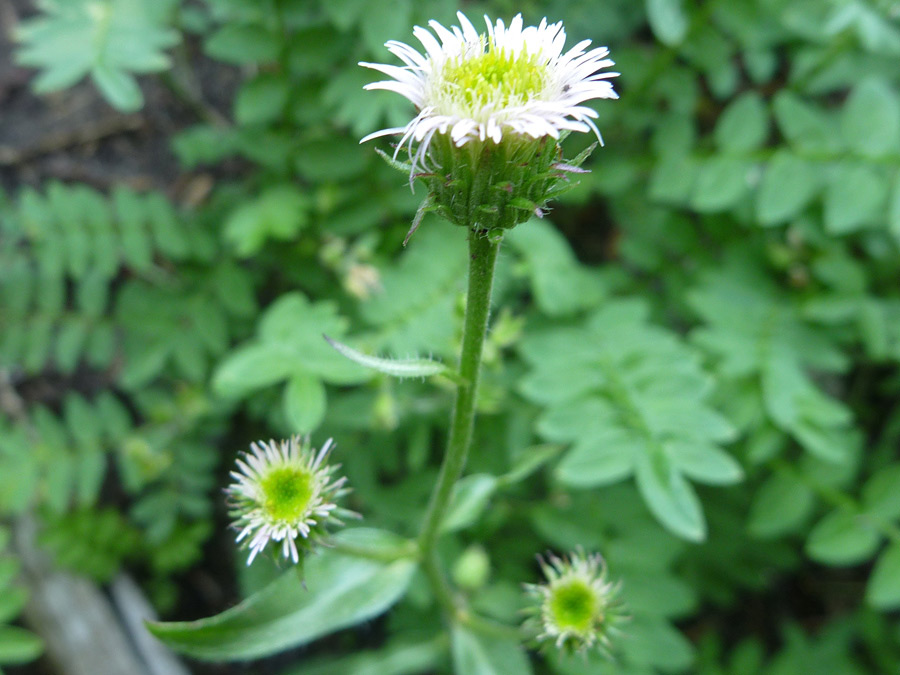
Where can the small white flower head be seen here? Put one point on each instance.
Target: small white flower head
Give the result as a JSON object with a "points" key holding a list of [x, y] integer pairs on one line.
{"points": [[512, 80], [492, 109], [576, 609], [285, 492]]}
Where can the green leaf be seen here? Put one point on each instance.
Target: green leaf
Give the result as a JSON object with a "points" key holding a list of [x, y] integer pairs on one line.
{"points": [[781, 505], [295, 326], [333, 158], [527, 462], [881, 493], [20, 478], [787, 186], [338, 591], [469, 500], [561, 285], [398, 658], [9, 569], [475, 654], [842, 538], [606, 458], [304, 403], [670, 497], [289, 343], [401, 368], [70, 343], [795, 404], [111, 39], [118, 87], [314, 50], [633, 389], [253, 367], [870, 120], [668, 20], [18, 646], [243, 44], [567, 379], [345, 13], [385, 20], [804, 126], [415, 310], [137, 247], [655, 642], [883, 590], [894, 208], [855, 197], [278, 213], [168, 233], [704, 462], [12, 600], [673, 178], [262, 99], [721, 183], [744, 125], [203, 144]]}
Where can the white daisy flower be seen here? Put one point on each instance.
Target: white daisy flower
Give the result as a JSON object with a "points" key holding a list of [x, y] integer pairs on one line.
{"points": [[576, 608], [512, 80], [284, 492]]}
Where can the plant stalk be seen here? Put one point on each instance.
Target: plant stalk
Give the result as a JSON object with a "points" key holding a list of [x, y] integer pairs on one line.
{"points": [[482, 261]]}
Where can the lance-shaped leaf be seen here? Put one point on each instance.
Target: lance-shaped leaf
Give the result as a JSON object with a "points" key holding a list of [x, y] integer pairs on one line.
{"points": [[338, 591], [395, 367]]}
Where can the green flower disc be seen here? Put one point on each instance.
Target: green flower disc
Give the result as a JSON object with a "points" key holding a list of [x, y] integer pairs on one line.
{"points": [[574, 606], [287, 491], [497, 77]]}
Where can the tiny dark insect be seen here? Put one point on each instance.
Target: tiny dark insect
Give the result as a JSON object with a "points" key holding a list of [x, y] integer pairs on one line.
{"points": [[565, 88]]}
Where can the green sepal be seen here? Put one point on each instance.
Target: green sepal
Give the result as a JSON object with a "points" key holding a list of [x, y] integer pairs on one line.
{"points": [[393, 163], [580, 158], [523, 204]]}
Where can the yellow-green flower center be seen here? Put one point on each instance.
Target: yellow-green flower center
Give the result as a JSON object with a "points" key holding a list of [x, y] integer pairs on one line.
{"points": [[573, 606], [287, 492], [498, 77]]}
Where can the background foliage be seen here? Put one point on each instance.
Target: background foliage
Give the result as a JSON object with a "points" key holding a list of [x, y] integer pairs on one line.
{"points": [[692, 368]]}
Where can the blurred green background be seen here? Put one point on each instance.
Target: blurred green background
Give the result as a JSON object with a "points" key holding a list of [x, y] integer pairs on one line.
{"points": [[692, 366]]}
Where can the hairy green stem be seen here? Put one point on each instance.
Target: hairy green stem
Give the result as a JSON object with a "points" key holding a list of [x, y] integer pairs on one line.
{"points": [[482, 259]]}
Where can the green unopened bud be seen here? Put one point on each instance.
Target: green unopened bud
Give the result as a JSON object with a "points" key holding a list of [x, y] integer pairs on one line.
{"points": [[472, 568]]}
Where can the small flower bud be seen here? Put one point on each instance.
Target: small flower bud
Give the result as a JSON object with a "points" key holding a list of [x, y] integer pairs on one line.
{"points": [[472, 568], [576, 609]]}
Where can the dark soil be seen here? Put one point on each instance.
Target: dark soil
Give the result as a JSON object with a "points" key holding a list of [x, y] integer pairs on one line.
{"points": [[76, 136]]}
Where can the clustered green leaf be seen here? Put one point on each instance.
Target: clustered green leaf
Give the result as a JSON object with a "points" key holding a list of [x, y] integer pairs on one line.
{"points": [[631, 398], [715, 303]]}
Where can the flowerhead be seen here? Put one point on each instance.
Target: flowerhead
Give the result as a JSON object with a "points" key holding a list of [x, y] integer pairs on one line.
{"points": [[576, 608], [510, 81], [492, 108], [285, 492]]}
